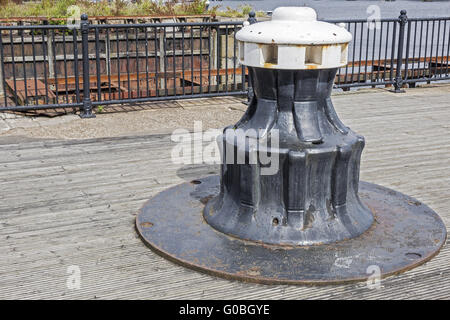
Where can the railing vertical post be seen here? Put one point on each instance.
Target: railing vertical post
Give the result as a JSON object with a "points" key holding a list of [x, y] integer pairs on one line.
{"points": [[252, 17], [162, 59], [2, 72], [398, 81], [251, 20], [86, 112], [51, 55]]}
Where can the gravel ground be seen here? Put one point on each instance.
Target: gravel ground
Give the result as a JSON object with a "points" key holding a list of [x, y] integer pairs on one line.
{"points": [[153, 118], [164, 117]]}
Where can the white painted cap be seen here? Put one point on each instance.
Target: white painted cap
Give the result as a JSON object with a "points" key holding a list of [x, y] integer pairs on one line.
{"points": [[293, 39]]}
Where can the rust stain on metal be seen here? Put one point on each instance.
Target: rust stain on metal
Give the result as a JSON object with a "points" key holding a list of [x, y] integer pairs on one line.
{"points": [[147, 224], [269, 65], [206, 199], [252, 272], [27, 91]]}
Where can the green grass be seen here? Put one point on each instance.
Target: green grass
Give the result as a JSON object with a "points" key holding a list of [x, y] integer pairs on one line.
{"points": [[58, 8], [242, 11]]}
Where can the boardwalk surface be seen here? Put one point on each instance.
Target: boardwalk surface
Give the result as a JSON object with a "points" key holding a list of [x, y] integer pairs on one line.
{"points": [[73, 202]]}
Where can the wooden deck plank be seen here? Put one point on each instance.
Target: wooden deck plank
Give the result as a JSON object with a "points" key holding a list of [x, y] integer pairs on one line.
{"points": [[73, 202]]}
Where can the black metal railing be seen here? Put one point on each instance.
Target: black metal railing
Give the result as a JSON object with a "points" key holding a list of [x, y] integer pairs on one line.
{"points": [[51, 66], [54, 66], [396, 52]]}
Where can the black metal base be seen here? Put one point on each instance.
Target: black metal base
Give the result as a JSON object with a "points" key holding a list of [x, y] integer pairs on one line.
{"points": [[397, 91], [405, 234], [87, 115]]}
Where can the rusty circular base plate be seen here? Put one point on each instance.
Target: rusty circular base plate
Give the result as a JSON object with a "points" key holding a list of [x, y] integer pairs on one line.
{"points": [[405, 234]]}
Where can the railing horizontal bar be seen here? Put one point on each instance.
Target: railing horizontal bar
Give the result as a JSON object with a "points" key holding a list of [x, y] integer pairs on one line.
{"points": [[41, 106], [357, 20], [174, 97], [121, 26], [384, 20], [167, 24], [142, 75], [381, 62], [37, 27], [364, 84], [426, 79], [429, 19]]}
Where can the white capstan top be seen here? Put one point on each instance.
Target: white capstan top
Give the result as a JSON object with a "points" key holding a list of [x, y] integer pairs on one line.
{"points": [[293, 39]]}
